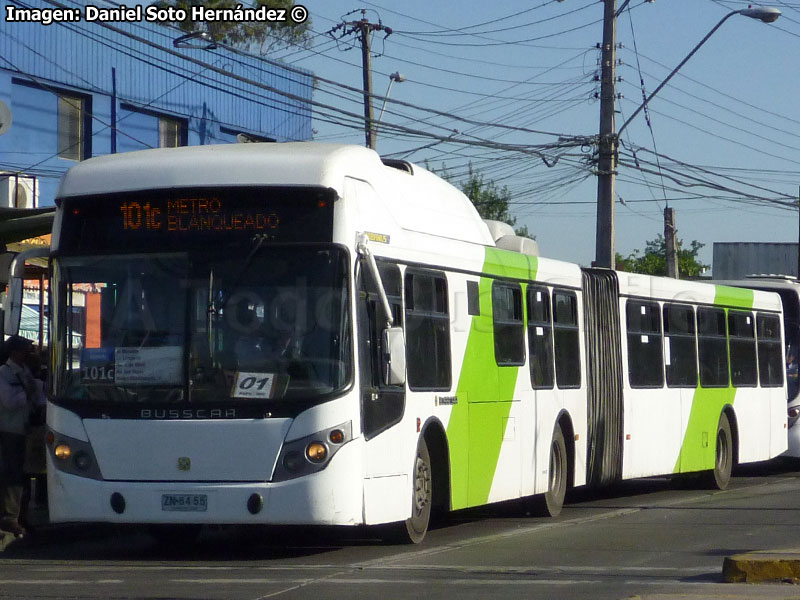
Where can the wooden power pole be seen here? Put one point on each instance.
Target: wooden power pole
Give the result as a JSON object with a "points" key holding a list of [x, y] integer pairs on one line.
{"points": [[363, 28], [671, 239]]}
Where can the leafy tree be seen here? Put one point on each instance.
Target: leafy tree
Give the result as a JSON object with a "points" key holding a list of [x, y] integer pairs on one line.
{"points": [[654, 259], [490, 201], [261, 36]]}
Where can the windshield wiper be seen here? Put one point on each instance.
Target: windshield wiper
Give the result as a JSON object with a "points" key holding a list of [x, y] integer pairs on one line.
{"points": [[258, 241]]}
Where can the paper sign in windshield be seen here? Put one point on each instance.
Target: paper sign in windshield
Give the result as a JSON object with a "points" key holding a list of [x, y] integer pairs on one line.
{"points": [[253, 385], [148, 366]]}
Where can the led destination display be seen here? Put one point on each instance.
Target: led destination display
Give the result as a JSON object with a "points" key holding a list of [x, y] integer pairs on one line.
{"points": [[194, 218]]}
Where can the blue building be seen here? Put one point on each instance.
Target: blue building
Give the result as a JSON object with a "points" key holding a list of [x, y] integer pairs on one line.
{"points": [[76, 89]]}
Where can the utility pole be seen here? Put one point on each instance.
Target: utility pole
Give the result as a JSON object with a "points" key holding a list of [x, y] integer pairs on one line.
{"points": [[363, 28], [607, 146], [670, 237]]}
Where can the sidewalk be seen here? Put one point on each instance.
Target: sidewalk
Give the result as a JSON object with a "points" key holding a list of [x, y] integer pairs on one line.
{"points": [[764, 566]]}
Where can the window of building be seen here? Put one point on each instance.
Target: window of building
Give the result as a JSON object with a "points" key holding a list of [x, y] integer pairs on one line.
{"points": [[645, 351], [680, 349], [72, 127], [234, 136], [566, 339], [170, 132], [742, 344], [540, 338], [427, 331], [509, 329], [712, 347], [770, 354]]}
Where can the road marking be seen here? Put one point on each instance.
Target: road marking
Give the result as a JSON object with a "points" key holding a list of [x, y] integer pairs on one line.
{"points": [[59, 581], [373, 581]]}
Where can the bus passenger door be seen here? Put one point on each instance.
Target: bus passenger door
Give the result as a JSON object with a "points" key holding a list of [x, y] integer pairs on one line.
{"points": [[382, 405]]}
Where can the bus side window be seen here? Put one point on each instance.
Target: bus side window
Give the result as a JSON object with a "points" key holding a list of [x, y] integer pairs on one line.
{"points": [[645, 351], [712, 347], [427, 331], [540, 338], [509, 329], [742, 345], [770, 362], [680, 353], [566, 339]]}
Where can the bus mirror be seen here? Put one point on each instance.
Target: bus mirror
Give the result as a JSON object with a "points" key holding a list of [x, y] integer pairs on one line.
{"points": [[394, 356], [12, 307]]}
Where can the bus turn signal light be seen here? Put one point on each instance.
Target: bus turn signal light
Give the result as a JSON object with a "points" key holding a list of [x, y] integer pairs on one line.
{"points": [[336, 436]]}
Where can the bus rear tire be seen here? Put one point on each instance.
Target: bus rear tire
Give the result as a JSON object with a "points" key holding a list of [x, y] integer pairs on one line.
{"points": [[413, 529], [720, 476], [551, 502]]}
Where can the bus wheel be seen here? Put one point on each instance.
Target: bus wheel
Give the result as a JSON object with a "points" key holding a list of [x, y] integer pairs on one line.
{"points": [[551, 502], [413, 529], [723, 463]]}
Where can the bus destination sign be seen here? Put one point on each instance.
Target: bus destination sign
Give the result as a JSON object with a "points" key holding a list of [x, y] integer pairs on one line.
{"points": [[195, 214], [194, 218]]}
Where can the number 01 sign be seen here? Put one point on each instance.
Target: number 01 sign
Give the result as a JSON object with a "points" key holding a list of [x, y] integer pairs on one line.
{"points": [[253, 385]]}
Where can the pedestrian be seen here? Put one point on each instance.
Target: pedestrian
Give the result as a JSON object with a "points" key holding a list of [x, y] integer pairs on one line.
{"points": [[792, 382], [20, 395]]}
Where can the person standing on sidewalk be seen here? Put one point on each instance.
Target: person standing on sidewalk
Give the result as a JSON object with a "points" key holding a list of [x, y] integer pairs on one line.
{"points": [[20, 394]]}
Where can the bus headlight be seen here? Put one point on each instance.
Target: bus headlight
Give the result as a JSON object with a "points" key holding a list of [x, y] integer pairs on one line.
{"points": [[316, 452], [72, 456], [62, 452], [312, 453]]}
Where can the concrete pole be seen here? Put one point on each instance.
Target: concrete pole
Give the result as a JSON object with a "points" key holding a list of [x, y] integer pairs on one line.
{"points": [[606, 164]]}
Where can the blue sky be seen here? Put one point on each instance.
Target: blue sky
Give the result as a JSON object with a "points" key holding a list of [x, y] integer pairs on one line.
{"points": [[722, 149]]}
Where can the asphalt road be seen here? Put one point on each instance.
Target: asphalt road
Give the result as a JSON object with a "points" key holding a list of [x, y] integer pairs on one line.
{"points": [[648, 539]]}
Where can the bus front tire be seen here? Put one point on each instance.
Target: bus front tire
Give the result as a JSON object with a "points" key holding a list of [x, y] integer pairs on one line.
{"points": [[720, 476], [551, 502], [413, 529]]}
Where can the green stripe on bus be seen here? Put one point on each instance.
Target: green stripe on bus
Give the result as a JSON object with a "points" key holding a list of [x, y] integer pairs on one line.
{"points": [[734, 297], [485, 391], [698, 451]]}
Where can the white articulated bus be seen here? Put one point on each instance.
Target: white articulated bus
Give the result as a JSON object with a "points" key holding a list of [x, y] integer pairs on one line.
{"points": [[304, 334], [788, 287]]}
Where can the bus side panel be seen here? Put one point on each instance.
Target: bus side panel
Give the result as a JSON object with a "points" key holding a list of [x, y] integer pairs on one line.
{"points": [[482, 430]]}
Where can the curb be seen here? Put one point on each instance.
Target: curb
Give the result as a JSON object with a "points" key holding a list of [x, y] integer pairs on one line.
{"points": [[776, 566]]}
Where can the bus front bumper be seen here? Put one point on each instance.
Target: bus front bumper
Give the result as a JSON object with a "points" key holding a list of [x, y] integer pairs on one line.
{"points": [[333, 496]]}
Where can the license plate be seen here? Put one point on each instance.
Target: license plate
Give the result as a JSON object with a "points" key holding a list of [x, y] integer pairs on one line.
{"points": [[184, 502]]}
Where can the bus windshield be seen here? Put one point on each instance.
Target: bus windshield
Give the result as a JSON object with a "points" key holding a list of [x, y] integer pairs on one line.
{"points": [[268, 325]]}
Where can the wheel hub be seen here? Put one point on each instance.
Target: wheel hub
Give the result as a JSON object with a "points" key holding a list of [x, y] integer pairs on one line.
{"points": [[422, 485]]}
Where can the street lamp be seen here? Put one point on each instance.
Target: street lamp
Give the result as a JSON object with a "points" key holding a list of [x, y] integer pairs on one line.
{"points": [[202, 40], [609, 144], [399, 78]]}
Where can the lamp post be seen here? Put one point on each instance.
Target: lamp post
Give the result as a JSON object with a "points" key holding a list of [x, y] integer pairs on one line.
{"points": [[399, 78], [609, 143]]}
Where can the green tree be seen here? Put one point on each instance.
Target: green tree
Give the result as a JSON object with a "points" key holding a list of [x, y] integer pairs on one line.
{"points": [[490, 201], [259, 36], [654, 259]]}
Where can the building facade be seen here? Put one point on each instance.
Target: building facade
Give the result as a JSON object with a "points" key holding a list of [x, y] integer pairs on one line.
{"points": [[737, 260], [75, 89]]}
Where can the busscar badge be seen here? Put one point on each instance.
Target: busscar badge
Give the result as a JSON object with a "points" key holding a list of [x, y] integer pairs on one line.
{"points": [[184, 463]]}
